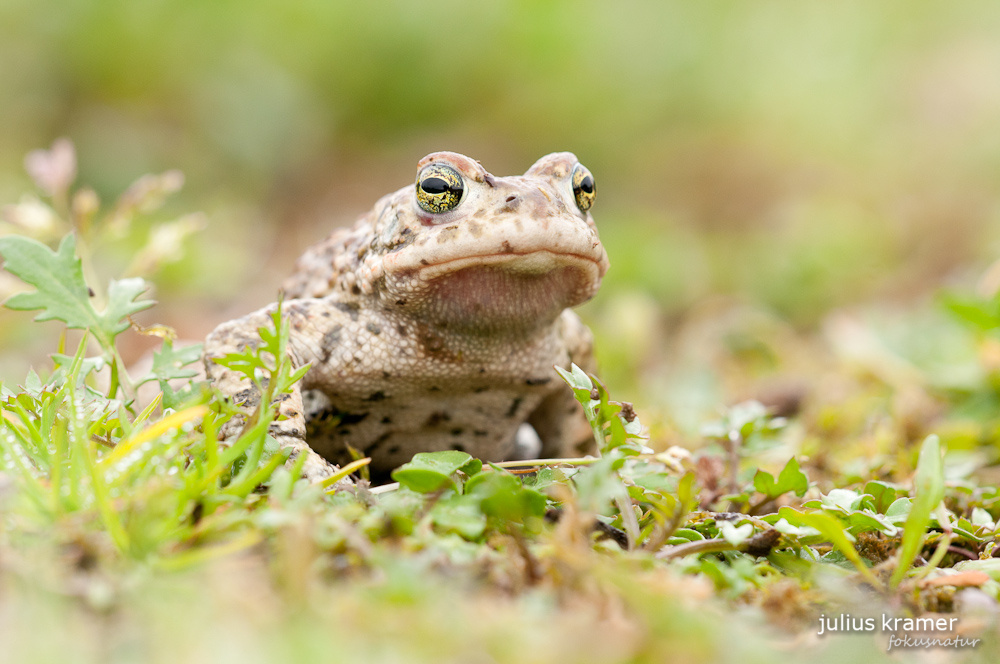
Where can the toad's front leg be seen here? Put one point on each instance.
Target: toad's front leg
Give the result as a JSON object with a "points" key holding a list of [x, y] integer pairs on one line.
{"points": [[308, 320], [559, 419]]}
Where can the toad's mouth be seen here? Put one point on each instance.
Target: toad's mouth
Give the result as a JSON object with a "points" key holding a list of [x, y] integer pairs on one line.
{"points": [[541, 261], [514, 292]]}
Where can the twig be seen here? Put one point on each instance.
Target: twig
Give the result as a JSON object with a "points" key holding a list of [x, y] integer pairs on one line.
{"points": [[697, 546], [533, 463], [963, 552], [758, 545]]}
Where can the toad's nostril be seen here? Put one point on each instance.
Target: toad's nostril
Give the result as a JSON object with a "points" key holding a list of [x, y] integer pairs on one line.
{"points": [[510, 198]]}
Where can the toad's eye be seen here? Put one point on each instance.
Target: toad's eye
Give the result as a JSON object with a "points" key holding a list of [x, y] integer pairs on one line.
{"points": [[584, 188], [439, 188]]}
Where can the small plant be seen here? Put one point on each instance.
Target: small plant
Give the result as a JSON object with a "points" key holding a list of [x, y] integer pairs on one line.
{"points": [[66, 284], [150, 481]]}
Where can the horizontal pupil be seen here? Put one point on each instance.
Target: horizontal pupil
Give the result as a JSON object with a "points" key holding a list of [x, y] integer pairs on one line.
{"points": [[435, 186], [587, 185]]}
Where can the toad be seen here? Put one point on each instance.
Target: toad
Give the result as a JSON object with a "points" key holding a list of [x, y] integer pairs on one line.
{"points": [[435, 321]]}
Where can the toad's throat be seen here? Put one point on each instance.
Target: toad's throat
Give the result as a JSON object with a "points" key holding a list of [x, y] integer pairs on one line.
{"points": [[492, 299]]}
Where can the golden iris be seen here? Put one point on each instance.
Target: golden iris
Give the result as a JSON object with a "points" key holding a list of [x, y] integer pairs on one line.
{"points": [[439, 188], [584, 188]]}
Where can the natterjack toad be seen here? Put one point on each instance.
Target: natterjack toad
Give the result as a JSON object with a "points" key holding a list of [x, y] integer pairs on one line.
{"points": [[435, 321]]}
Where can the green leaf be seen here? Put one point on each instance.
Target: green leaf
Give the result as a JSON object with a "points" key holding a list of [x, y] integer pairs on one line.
{"points": [[981, 517], [422, 480], [577, 379], [268, 359], [611, 430], [979, 313], [88, 365], [928, 488], [785, 528], [459, 514], [687, 492], [169, 363], [791, 478], [688, 535], [834, 532], [965, 529], [545, 478], [856, 510], [598, 486], [122, 303], [836, 557], [503, 497], [431, 471], [246, 362], [990, 566], [861, 521], [61, 292], [449, 461], [883, 494], [899, 510], [845, 500], [735, 535]]}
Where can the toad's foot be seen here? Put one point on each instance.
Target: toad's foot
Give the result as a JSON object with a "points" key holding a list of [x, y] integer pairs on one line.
{"points": [[315, 468]]}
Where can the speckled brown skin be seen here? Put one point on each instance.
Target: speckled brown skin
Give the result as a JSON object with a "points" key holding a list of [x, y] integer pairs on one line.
{"points": [[430, 332]]}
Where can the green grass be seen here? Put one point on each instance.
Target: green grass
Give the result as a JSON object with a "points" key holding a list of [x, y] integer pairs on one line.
{"points": [[129, 532]]}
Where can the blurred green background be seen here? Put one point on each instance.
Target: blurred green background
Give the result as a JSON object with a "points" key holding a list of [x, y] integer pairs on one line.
{"points": [[760, 165]]}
